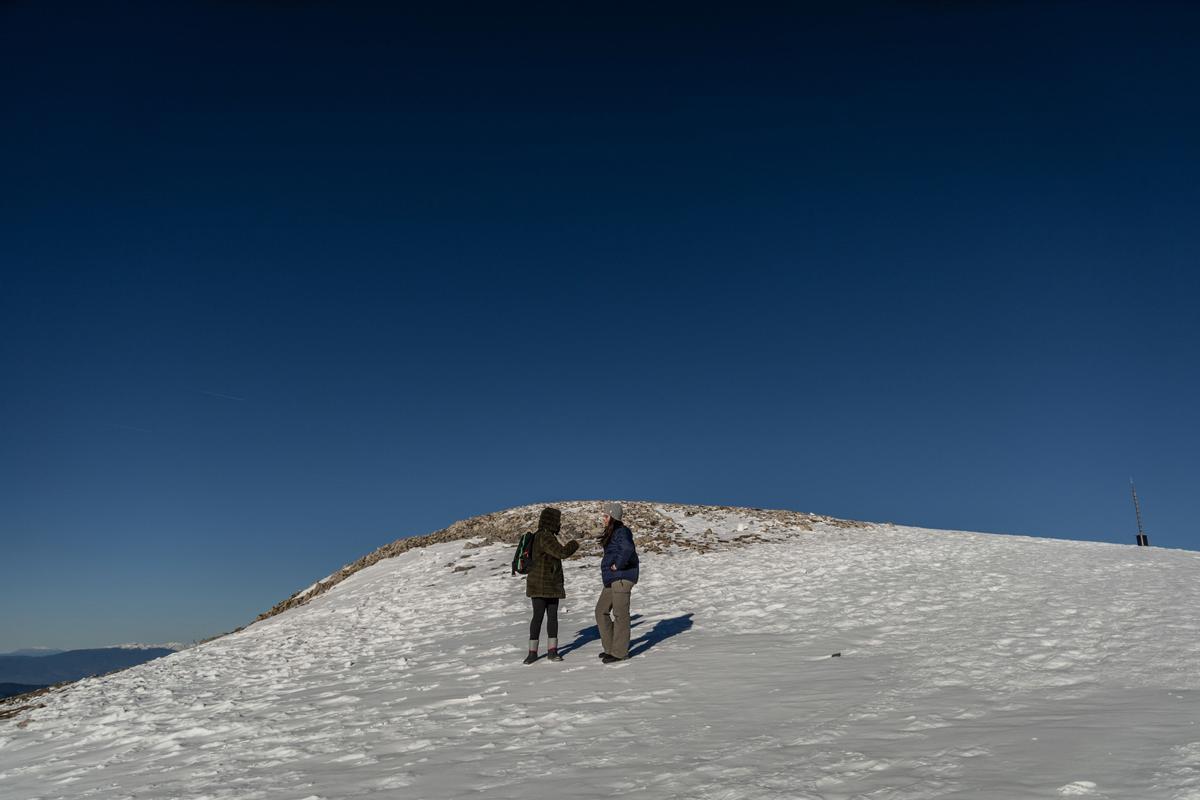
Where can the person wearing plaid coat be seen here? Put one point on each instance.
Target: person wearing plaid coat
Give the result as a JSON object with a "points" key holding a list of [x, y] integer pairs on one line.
{"points": [[544, 582]]}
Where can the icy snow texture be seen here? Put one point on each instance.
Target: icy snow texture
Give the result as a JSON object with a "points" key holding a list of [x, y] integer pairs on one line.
{"points": [[971, 665]]}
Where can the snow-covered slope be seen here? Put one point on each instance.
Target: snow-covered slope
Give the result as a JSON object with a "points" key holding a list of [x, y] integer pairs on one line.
{"points": [[971, 666]]}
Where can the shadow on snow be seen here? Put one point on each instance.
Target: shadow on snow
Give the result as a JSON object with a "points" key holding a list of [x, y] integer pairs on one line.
{"points": [[662, 630], [592, 634]]}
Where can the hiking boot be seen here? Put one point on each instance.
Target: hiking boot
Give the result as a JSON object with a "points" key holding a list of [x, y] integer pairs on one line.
{"points": [[604, 656], [611, 659], [553, 656], [529, 659]]}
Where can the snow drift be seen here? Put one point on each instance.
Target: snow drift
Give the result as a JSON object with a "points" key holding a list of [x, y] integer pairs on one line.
{"points": [[970, 665]]}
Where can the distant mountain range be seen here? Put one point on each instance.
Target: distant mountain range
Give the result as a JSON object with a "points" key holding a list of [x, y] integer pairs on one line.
{"points": [[41, 669]]}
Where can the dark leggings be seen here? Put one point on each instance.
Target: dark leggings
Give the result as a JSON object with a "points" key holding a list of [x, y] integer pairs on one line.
{"points": [[542, 605]]}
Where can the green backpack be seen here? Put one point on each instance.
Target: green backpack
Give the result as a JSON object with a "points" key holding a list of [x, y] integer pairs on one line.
{"points": [[524, 555]]}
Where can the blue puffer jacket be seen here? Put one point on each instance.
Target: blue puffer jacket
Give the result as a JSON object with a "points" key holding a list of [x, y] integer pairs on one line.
{"points": [[619, 552]]}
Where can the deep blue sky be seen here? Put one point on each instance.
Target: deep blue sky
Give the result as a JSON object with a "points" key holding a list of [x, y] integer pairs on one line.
{"points": [[283, 282]]}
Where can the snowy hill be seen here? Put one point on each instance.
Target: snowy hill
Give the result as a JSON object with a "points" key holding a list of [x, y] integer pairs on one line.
{"points": [[971, 666]]}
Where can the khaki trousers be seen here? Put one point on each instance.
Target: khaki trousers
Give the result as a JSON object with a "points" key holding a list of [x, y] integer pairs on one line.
{"points": [[614, 631]]}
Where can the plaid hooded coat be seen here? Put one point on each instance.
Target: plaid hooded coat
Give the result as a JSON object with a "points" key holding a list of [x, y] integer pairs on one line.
{"points": [[545, 576]]}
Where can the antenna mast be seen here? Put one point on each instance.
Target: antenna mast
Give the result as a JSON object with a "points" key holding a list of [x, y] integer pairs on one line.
{"points": [[1142, 539]]}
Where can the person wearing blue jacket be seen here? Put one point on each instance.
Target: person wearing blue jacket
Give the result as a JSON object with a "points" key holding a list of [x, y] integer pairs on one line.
{"points": [[619, 571]]}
